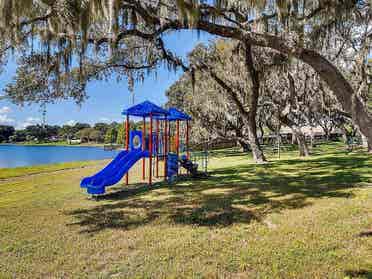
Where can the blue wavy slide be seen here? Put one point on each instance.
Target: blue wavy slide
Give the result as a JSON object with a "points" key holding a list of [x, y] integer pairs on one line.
{"points": [[113, 172]]}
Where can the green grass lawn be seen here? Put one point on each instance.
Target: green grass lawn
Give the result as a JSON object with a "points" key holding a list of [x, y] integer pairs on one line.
{"points": [[6, 173], [291, 218]]}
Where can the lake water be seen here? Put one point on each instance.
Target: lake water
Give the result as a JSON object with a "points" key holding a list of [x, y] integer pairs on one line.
{"points": [[17, 155]]}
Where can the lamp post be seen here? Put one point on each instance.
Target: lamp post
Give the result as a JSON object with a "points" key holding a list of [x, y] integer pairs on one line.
{"points": [[127, 145], [157, 148], [150, 150], [165, 147], [144, 147]]}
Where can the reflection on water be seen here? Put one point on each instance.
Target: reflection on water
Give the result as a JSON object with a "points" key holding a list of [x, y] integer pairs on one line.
{"points": [[18, 155]]}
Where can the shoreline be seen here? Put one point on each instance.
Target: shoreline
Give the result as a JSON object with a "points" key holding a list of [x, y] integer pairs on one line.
{"points": [[64, 144], [8, 173], [31, 168]]}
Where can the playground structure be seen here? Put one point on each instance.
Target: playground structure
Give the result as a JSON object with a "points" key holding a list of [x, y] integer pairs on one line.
{"points": [[162, 143]]}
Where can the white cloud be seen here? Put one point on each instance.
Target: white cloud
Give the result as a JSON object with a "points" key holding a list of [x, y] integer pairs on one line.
{"points": [[5, 110], [104, 120], [71, 122], [6, 120], [33, 120], [28, 122]]}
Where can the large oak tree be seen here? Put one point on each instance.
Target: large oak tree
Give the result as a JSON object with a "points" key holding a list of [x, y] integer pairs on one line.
{"points": [[67, 43]]}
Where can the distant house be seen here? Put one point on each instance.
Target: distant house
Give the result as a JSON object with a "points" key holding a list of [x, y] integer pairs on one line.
{"points": [[318, 132], [54, 139], [73, 141], [309, 132]]}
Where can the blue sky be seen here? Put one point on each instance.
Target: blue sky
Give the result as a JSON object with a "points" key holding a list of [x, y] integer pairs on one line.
{"points": [[106, 99]]}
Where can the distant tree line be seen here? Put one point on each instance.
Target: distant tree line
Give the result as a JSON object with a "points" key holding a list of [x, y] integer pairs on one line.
{"points": [[98, 133]]}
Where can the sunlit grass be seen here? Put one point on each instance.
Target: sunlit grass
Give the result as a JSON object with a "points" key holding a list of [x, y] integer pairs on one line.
{"points": [[291, 218], [22, 171]]}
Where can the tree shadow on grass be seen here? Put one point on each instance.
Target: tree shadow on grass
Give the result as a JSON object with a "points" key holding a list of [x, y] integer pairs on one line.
{"points": [[362, 273], [231, 195], [223, 153], [120, 193]]}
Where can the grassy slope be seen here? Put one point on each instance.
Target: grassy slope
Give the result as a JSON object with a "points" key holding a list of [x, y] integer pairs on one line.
{"points": [[290, 219], [6, 173]]}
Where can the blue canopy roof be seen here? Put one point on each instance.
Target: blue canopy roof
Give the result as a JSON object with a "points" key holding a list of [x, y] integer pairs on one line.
{"points": [[175, 114], [145, 109]]}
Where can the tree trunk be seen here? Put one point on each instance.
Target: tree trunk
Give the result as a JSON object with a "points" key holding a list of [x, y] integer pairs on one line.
{"points": [[311, 137], [344, 134], [296, 131], [364, 140], [349, 99], [257, 151], [327, 134], [366, 143], [249, 117], [328, 72], [293, 138], [363, 120], [261, 137], [244, 144], [242, 141], [301, 141]]}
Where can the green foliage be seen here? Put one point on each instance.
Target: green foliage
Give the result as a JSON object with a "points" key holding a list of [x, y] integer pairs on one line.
{"points": [[120, 139], [67, 132], [53, 133], [219, 110], [121, 132], [111, 135], [19, 136], [125, 40], [96, 135], [41, 132], [90, 134], [102, 127], [79, 126], [6, 132]]}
